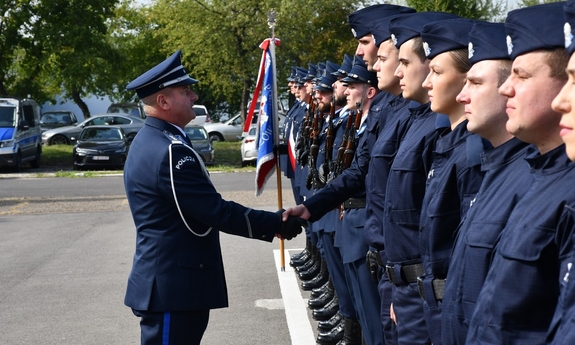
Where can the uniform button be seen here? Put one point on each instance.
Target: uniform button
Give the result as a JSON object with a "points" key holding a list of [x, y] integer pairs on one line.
{"points": [[201, 265], [263, 236]]}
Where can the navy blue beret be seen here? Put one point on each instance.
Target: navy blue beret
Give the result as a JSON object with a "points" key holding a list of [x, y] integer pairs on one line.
{"points": [[487, 42], [380, 28], [407, 27], [535, 27], [360, 74], [446, 35], [170, 72], [361, 21], [327, 79], [345, 67], [569, 10]]}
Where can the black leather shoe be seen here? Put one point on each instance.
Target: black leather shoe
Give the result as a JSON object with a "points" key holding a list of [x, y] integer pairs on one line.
{"points": [[326, 312], [306, 265], [317, 281], [311, 273], [328, 325], [321, 301], [352, 333], [316, 292], [332, 337], [300, 254], [297, 262]]}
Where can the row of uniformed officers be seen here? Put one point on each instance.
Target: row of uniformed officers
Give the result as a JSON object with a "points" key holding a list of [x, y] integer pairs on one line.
{"points": [[434, 174]]}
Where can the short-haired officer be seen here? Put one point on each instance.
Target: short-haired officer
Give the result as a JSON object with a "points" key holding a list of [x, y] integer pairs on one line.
{"points": [[406, 180], [507, 178], [177, 274], [455, 174], [562, 330], [520, 293]]}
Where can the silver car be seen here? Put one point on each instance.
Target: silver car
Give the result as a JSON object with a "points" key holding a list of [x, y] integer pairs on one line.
{"points": [[248, 148], [69, 134]]}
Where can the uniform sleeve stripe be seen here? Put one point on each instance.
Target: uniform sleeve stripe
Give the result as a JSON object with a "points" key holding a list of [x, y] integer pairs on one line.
{"points": [[248, 223]]}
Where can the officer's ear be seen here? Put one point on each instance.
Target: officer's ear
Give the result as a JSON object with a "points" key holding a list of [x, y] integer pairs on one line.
{"points": [[163, 101], [371, 92]]}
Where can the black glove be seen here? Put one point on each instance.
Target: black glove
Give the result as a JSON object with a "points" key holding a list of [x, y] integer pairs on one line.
{"points": [[291, 227], [308, 180], [371, 260]]}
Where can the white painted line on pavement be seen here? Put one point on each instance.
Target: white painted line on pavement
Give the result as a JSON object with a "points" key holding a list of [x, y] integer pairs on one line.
{"points": [[298, 322]]}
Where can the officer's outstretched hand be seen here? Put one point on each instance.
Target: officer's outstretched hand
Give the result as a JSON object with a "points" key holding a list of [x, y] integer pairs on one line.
{"points": [[290, 227]]}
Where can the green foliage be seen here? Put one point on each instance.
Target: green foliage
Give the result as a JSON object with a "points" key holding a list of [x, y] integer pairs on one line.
{"points": [[526, 3], [475, 9]]}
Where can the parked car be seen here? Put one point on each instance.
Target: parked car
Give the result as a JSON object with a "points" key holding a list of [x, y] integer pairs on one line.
{"points": [[68, 134], [201, 142], [231, 129], [20, 140], [248, 148], [57, 118], [202, 115], [129, 108], [101, 146]]}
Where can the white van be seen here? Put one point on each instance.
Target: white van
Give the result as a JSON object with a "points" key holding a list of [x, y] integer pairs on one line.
{"points": [[20, 134], [202, 116]]}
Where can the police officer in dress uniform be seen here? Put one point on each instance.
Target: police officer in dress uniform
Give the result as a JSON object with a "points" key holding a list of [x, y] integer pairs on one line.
{"points": [[177, 274], [520, 293], [455, 174], [406, 180], [393, 127], [562, 330], [507, 178]]}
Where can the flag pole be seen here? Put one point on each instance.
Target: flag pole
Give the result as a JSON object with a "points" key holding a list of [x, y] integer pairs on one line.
{"points": [[272, 23]]}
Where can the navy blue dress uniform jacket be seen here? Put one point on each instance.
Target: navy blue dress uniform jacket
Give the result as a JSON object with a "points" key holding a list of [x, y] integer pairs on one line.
{"points": [[520, 293], [174, 269], [507, 178]]}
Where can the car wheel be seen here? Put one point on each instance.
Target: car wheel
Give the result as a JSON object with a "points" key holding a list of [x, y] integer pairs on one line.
{"points": [[36, 162], [18, 162], [216, 137], [59, 139]]}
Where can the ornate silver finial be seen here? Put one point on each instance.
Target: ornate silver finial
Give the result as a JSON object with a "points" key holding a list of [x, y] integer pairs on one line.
{"points": [[272, 15]]}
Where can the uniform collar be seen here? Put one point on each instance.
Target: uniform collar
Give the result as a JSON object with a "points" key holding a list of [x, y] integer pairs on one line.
{"points": [[553, 161], [503, 154]]}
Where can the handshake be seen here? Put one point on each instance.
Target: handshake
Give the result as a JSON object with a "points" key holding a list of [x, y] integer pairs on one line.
{"points": [[291, 227]]}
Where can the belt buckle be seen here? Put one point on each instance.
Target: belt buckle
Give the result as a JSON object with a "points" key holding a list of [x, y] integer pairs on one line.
{"points": [[390, 274], [420, 287]]}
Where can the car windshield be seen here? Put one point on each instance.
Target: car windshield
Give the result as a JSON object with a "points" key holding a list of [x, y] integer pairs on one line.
{"points": [[7, 116], [101, 134], [130, 110], [196, 133]]}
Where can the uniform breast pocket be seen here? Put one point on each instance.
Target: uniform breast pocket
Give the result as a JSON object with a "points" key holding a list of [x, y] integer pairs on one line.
{"points": [[198, 260], [525, 243], [380, 163]]}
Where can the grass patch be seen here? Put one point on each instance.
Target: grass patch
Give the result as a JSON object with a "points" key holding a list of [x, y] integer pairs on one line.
{"points": [[227, 158]]}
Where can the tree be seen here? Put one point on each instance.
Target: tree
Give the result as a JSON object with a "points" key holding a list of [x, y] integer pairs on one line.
{"points": [[474, 9]]}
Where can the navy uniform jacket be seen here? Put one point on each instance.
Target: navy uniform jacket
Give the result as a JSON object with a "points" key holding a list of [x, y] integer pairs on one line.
{"points": [[174, 269], [406, 187], [351, 182], [518, 298], [452, 183], [507, 178], [562, 330], [287, 126], [382, 155]]}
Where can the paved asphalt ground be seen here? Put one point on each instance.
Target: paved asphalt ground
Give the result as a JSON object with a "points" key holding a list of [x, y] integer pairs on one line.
{"points": [[66, 247]]}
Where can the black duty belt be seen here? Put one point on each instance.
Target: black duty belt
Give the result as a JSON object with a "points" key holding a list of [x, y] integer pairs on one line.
{"points": [[354, 203], [438, 288], [409, 273]]}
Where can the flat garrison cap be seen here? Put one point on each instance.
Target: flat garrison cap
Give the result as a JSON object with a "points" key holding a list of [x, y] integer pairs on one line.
{"points": [[293, 75], [311, 71], [446, 35], [487, 42], [361, 21], [407, 27], [360, 74], [170, 72], [345, 67], [328, 78], [569, 10], [535, 27], [380, 29]]}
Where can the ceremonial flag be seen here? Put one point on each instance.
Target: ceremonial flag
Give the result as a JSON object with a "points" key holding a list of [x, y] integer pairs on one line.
{"points": [[267, 125]]}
